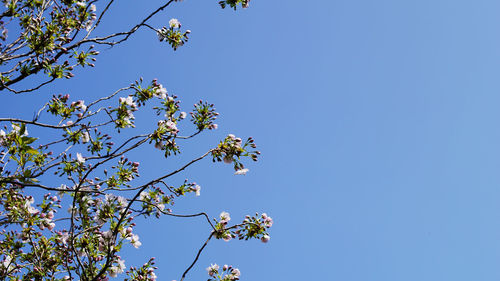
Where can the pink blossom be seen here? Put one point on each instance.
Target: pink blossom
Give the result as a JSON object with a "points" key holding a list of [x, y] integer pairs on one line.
{"points": [[225, 217], [268, 222], [265, 238], [197, 190], [227, 159], [213, 269], [227, 237], [235, 272]]}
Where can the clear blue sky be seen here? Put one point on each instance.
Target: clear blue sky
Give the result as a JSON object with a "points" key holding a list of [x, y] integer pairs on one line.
{"points": [[379, 124]]}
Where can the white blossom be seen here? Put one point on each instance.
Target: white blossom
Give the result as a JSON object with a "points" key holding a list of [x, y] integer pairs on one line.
{"points": [[17, 129], [64, 238], [235, 272], [117, 269], [122, 202], [213, 269], [241, 172], [128, 101], [144, 196], [7, 263], [174, 23], [106, 236], [85, 137], [31, 209], [227, 237], [171, 125], [197, 190], [81, 105], [265, 238], [161, 207], [134, 239], [268, 222], [225, 217], [80, 158], [161, 92]]}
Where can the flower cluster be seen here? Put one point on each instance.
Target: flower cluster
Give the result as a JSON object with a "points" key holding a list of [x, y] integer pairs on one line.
{"points": [[54, 45], [58, 106], [251, 227], [204, 116], [126, 171], [173, 35], [154, 201], [144, 273], [89, 12], [226, 273], [234, 3], [232, 149], [124, 113], [117, 267], [255, 227], [187, 187]]}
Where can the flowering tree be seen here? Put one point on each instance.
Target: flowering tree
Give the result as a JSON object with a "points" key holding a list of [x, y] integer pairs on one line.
{"points": [[69, 198]]}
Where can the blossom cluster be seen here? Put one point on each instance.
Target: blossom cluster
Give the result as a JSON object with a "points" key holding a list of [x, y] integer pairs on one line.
{"points": [[232, 149], [251, 227], [226, 273], [144, 273], [234, 3], [44, 41], [172, 34]]}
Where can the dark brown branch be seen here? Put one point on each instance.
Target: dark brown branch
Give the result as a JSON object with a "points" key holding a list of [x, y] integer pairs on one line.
{"points": [[197, 256]]}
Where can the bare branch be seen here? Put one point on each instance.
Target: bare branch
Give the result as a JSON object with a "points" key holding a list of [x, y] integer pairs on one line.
{"points": [[197, 256]]}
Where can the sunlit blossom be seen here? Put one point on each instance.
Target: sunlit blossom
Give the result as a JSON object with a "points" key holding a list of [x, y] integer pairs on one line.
{"points": [[85, 137], [174, 23], [161, 92], [7, 263], [134, 240], [241, 172], [197, 190], [225, 217], [117, 269], [265, 238], [235, 272], [80, 158], [213, 269]]}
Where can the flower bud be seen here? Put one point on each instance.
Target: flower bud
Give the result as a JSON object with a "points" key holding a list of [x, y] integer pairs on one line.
{"points": [[265, 238]]}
